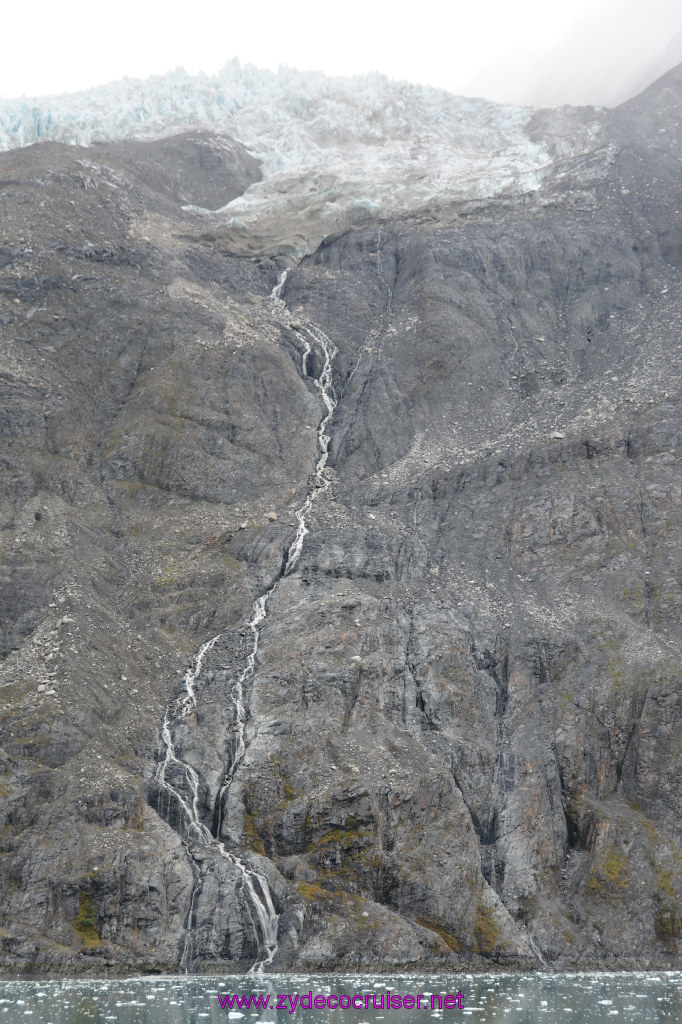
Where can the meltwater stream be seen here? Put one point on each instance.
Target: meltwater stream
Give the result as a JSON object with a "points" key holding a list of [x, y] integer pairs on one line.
{"points": [[175, 776]]}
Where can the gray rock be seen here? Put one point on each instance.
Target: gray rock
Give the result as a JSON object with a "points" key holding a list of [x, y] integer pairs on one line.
{"points": [[462, 731]]}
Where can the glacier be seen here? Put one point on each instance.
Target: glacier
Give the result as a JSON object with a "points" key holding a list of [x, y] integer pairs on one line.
{"points": [[334, 150]]}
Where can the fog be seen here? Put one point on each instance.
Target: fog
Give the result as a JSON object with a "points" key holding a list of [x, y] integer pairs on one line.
{"points": [[588, 51], [610, 55]]}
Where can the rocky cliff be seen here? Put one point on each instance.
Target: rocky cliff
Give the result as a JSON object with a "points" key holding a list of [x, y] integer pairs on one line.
{"points": [[424, 492]]}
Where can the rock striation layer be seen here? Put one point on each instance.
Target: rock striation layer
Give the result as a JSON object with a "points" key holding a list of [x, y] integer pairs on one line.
{"points": [[460, 738]]}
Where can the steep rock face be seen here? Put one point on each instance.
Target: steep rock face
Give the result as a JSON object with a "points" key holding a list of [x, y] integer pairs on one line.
{"points": [[461, 734], [193, 167]]}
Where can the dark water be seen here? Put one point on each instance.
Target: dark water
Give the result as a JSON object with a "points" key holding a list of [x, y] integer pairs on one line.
{"points": [[641, 998]]}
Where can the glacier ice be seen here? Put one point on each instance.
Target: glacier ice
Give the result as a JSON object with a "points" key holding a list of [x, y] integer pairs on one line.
{"points": [[333, 150]]}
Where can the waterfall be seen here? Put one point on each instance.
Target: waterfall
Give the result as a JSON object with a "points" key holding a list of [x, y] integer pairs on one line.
{"points": [[178, 779], [178, 710]]}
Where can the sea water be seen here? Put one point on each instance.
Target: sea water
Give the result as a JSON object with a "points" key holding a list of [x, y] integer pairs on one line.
{"points": [[583, 998]]}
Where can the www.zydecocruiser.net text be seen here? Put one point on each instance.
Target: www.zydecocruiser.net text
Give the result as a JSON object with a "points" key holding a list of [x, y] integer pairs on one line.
{"points": [[387, 1000]]}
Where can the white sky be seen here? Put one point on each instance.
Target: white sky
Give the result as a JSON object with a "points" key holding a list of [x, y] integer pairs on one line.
{"points": [[537, 51]]}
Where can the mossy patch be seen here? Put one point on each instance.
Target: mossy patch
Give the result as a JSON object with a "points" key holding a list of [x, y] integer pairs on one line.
{"points": [[251, 834], [609, 876], [312, 892], [448, 938], [85, 921], [346, 835], [136, 819], [486, 932], [668, 926], [290, 793], [668, 917]]}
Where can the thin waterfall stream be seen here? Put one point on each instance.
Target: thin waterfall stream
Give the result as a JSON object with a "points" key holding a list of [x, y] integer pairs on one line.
{"points": [[174, 776]]}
